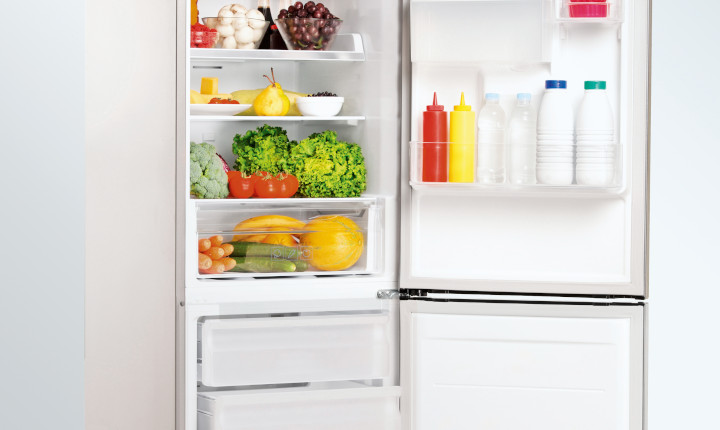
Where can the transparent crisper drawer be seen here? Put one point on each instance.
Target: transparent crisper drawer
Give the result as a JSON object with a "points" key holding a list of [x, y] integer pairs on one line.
{"points": [[307, 348], [317, 406], [289, 237], [517, 168], [505, 31]]}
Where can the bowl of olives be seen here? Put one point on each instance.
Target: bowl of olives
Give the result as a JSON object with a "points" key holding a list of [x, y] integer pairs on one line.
{"points": [[309, 26]]}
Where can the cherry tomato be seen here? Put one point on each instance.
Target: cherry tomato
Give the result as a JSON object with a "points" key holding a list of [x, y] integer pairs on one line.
{"points": [[288, 184], [241, 185], [267, 187]]}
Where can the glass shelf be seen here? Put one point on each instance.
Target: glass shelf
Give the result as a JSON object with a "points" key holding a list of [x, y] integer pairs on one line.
{"points": [[350, 119], [348, 47]]}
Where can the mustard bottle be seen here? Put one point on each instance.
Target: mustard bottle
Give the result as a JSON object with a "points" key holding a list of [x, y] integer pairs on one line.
{"points": [[462, 143]]}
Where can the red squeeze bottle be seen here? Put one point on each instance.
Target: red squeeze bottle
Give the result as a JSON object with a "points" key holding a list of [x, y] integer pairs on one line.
{"points": [[434, 143]]}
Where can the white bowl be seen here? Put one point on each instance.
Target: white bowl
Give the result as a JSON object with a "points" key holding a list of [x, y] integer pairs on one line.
{"points": [[319, 106]]}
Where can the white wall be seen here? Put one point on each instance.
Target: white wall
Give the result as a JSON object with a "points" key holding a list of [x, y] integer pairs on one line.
{"points": [[130, 187], [42, 256], [685, 210]]}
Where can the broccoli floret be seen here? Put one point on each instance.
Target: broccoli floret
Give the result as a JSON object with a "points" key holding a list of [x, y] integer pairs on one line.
{"points": [[208, 179]]}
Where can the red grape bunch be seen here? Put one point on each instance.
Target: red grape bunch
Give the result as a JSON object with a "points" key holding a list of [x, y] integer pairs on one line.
{"points": [[308, 26]]}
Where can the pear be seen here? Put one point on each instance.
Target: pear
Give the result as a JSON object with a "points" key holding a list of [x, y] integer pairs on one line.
{"points": [[272, 101]]}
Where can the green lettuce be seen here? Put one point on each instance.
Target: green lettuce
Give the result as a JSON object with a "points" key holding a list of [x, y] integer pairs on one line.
{"points": [[265, 149], [327, 167]]}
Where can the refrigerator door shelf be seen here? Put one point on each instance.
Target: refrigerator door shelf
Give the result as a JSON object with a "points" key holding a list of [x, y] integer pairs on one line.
{"points": [[295, 349], [604, 162], [315, 406], [293, 237], [347, 47]]}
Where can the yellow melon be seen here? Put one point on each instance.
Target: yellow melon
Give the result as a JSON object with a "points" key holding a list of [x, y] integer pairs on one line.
{"points": [[335, 241]]}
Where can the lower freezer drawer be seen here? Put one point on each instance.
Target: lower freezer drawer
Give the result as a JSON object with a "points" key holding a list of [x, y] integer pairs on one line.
{"points": [[322, 406], [297, 349]]}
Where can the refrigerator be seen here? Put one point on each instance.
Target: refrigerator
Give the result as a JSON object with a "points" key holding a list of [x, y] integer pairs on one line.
{"points": [[471, 305]]}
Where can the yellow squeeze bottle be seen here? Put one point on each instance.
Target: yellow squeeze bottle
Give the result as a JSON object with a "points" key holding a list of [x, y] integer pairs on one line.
{"points": [[462, 143]]}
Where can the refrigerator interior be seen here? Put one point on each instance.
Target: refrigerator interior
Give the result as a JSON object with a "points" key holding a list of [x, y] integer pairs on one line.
{"points": [[313, 349], [502, 237]]}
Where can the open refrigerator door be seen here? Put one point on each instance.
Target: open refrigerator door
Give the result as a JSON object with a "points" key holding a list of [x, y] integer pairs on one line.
{"points": [[524, 257]]}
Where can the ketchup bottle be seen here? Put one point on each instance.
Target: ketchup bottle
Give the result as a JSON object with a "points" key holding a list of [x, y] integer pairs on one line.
{"points": [[435, 143]]}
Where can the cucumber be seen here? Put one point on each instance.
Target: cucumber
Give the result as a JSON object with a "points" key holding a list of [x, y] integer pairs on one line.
{"points": [[300, 265], [262, 265], [254, 249]]}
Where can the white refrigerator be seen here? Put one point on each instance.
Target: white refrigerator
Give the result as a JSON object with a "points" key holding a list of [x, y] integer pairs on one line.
{"points": [[492, 306]]}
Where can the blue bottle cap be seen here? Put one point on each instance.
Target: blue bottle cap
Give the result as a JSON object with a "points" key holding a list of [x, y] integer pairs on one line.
{"points": [[492, 96], [524, 96], [555, 84]]}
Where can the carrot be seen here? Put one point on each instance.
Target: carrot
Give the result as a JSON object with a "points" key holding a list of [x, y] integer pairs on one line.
{"points": [[215, 252], [227, 248], [204, 262], [228, 263], [204, 245], [216, 240]]}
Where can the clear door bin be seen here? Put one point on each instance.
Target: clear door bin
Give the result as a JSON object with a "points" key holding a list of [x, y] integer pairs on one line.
{"points": [[282, 350], [587, 165], [288, 237], [317, 406]]}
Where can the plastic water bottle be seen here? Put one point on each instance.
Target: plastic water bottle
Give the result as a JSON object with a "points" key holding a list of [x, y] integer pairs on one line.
{"points": [[522, 141], [491, 141], [596, 150], [555, 141]]}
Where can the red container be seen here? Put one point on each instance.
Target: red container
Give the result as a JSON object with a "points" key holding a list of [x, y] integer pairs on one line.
{"points": [[588, 10]]}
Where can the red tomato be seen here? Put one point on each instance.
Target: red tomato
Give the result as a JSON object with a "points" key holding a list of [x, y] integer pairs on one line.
{"points": [[267, 187], [219, 101], [241, 185], [288, 184]]}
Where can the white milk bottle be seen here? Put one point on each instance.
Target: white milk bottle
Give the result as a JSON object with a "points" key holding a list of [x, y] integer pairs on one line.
{"points": [[522, 141], [595, 129], [491, 141], [555, 142]]}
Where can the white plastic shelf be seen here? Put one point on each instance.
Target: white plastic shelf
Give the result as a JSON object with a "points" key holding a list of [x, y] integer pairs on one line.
{"points": [[539, 190], [347, 47], [348, 119]]}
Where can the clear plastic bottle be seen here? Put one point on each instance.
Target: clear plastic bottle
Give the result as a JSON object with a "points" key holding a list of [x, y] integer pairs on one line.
{"points": [[491, 141], [522, 141]]}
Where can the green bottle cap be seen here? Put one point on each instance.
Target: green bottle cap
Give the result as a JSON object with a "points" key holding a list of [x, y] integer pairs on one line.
{"points": [[594, 85]]}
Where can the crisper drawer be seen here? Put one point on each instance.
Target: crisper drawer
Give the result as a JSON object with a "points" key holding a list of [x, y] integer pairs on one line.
{"points": [[322, 406], [278, 350], [249, 238]]}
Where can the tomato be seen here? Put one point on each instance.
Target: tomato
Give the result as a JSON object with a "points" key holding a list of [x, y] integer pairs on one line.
{"points": [[219, 101], [288, 184], [267, 187], [241, 185]]}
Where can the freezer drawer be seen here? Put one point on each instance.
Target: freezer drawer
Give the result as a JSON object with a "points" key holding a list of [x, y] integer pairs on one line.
{"points": [[519, 366], [321, 406], [277, 350]]}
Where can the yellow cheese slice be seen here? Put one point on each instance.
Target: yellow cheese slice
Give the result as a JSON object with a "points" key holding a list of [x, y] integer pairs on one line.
{"points": [[209, 86]]}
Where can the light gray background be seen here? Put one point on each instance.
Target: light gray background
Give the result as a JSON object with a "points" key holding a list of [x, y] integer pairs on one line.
{"points": [[46, 224], [684, 215], [42, 172]]}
